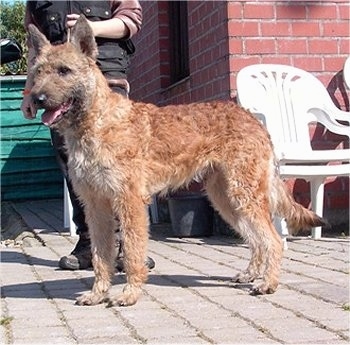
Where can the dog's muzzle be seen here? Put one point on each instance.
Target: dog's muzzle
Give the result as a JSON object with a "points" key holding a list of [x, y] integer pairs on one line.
{"points": [[52, 113]]}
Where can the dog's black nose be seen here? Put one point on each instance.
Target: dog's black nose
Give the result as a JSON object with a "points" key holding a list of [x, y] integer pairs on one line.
{"points": [[39, 99]]}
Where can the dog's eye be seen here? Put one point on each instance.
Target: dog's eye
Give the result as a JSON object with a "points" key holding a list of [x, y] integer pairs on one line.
{"points": [[63, 70]]}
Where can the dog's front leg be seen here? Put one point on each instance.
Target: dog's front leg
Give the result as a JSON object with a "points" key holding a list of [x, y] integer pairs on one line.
{"points": [[134, 226], [99, 218]]}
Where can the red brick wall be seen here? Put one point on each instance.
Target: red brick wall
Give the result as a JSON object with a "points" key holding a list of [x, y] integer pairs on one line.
{"points": [[208, 50], [225, 36], [145, 76], [207, 24], [312, 35]]}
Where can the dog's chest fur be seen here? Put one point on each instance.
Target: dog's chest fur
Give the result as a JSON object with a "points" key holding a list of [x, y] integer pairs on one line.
{"points": [[90, 165]]}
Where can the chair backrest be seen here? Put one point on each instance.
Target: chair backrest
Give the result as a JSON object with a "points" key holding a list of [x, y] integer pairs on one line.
{"points": [[281, 96]]}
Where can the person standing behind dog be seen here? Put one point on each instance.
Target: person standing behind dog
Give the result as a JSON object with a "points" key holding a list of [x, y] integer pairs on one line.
{"points": [[113, 24]]}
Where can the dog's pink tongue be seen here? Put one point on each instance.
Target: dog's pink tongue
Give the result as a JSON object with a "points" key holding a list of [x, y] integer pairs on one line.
{"points": [[49, 116]]}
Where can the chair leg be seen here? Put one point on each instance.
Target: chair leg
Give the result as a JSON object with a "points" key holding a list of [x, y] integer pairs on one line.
{"points": [[281, 227], [68, 211], [317, 195]]}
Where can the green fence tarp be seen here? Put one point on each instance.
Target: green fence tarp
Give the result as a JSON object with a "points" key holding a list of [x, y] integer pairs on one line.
{"points": [[28, 166]]}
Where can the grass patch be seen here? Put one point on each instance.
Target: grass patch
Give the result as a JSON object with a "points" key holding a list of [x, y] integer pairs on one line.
{"points": [[346, 307], [5, 321]]}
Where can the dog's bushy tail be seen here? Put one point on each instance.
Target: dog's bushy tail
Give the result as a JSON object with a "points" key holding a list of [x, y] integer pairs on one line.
{"points": [[297, 216]]}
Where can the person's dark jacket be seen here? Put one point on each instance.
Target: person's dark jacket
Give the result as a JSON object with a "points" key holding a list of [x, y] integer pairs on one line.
{"points": [[114, 54]]}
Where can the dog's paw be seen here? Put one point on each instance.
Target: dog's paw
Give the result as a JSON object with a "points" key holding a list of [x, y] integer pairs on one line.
{"points": [[129, 297], [122, 300], [263, 289], [90, 298], [243, 277]]}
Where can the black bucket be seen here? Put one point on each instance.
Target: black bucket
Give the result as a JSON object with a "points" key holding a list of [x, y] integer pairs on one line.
{"points": [[191, 215]]}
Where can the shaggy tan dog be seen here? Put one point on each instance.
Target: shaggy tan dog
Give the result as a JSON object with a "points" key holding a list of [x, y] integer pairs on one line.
{"points": [[122, 152]]}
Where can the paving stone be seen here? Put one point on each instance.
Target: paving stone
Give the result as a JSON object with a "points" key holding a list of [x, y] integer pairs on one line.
{"points": [[42, 334], [242, 335], [295, 330]]}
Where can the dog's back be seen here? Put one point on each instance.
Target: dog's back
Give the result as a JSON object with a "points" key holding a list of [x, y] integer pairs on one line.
{"points": [[193, 139]]}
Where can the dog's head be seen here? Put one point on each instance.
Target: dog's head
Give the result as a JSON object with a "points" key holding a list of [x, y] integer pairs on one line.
{"points": [[63, 78]]}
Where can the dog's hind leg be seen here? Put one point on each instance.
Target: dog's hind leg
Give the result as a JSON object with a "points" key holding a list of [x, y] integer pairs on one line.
{"points": [[101, 225], [132, 213], [216, 187], [255, 218], [270, 245], [247, 210]]}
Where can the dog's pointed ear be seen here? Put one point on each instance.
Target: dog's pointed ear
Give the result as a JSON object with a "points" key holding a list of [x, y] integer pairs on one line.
{"points": [[83, 38], [37, 39]]}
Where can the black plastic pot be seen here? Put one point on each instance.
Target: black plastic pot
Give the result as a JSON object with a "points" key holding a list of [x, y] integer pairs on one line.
{"points": [[191, 215]]}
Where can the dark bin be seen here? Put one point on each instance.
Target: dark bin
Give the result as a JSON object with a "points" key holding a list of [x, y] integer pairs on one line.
{"points": [[191, 215]]}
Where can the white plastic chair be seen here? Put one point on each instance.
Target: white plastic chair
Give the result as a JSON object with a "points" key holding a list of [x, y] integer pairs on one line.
{"points": [[346, 72], [286, 99], [68, 211]]}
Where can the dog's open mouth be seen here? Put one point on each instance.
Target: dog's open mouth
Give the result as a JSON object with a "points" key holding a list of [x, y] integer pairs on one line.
{"points": [[51, 116]]}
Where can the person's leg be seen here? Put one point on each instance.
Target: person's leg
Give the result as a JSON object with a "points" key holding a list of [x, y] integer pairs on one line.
{"points": [[80, 257], [119, 262]]}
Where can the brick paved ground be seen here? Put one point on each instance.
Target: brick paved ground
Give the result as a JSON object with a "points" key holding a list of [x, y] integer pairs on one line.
{"points": [[188, 299]]}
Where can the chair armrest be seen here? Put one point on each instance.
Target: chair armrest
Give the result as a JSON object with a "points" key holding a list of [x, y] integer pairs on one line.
{"points": [[330, 121], [341, 115]]}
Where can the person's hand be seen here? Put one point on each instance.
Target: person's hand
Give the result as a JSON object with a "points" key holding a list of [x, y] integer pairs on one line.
{"points": [[28, 108], [72, 19], [110, 28]]}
